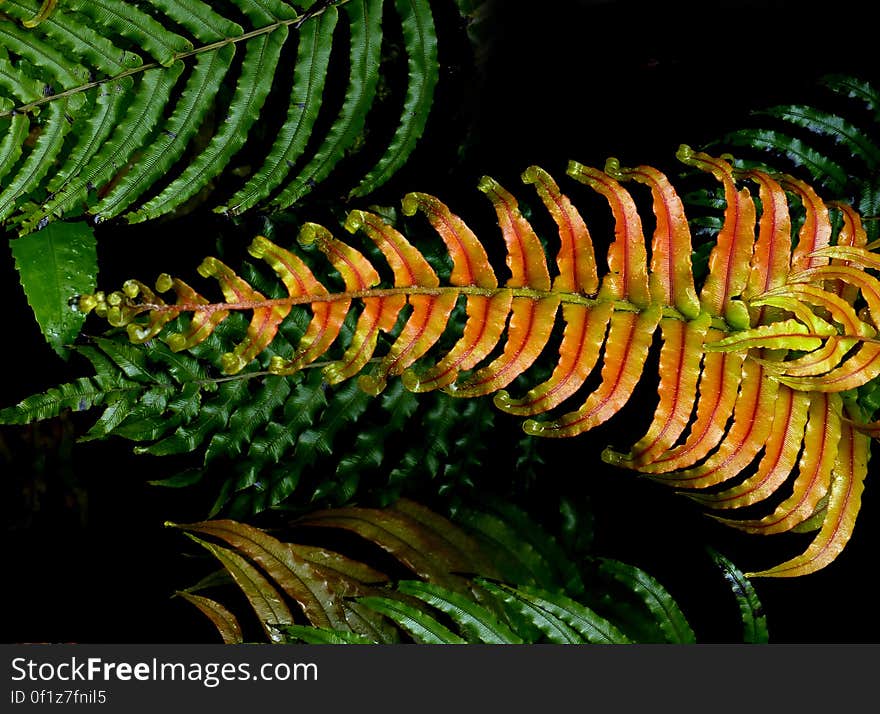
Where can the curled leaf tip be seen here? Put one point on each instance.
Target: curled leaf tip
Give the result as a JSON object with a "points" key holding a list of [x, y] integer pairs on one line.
{"points": [[115, 316], [502, 399], [532, 174], [310, 233], [86, 303], [488, 185], [207, 268], [371, 385], [574, 168], [136, 333], [612, 168], [277, 364], [533, 427], [612, 457], [231, 363], [410, 203], [355, 221], [411, 381], [164, 283], [258, 247], [176, 342]]}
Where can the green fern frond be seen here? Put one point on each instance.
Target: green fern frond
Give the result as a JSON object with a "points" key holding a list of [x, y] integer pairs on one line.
{"points": [[558, 617], [320, 636], [421, 626], [833, 141], [476, 622], [260, 441], [119, 91], [753, 617], [444, 605], [525, 553], [421, 49], [645, 601]]}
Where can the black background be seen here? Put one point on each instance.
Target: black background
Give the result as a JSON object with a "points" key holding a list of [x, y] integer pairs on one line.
{"points": [[562, 80]]}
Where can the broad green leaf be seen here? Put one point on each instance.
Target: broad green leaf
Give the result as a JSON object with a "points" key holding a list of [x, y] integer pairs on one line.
{"points": [[56, 265]]}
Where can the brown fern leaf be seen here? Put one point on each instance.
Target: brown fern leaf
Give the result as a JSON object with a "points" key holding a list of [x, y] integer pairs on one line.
{"points": [[755, 369]]}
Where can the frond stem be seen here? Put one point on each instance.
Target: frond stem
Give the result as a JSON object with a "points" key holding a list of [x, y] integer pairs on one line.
{"points": [[246, 305]]}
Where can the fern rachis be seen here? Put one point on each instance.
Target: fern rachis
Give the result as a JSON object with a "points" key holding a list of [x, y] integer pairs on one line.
{"points": [[741, 346]]}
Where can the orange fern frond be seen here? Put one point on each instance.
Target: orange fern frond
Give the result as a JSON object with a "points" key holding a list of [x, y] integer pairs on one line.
{"points": [[756, 368]]}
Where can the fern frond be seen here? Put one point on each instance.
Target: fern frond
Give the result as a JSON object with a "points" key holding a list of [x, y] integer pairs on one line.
{"points": [[421, 626], [441, 606], [478, 623], [754, 619], [641, 594], [319, 636], [839, 153], [121, 91], [261, 438], [561, 619], [309, 75], [303, 581], [773, 333], [366, 36], [266, 601], [225, 622], [421, 46]]}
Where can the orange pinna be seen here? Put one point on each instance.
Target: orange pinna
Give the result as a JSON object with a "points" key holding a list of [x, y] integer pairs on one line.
{"points": [[756, 368]]}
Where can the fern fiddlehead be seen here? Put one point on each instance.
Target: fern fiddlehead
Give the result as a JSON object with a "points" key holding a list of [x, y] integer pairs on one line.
{"points": [[756, 369]]}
